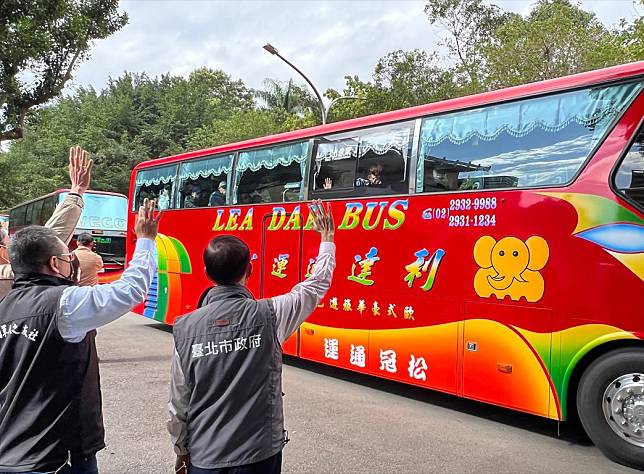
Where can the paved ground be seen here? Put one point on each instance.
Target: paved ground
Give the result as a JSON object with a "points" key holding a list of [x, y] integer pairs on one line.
{"points": [[339, 422]]}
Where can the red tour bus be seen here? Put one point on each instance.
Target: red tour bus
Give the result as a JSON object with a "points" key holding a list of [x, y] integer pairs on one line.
{"points": [[490, 246], [104, 216]]}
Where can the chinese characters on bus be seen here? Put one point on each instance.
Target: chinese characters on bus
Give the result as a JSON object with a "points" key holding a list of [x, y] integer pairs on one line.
{"points": [[417, 367]]}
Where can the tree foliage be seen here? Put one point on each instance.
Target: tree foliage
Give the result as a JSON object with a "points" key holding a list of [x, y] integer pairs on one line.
{"points": [[136, 118], [40, 45]]}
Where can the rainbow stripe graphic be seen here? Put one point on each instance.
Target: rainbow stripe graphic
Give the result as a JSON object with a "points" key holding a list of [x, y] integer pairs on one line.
{"points": [[164, 296], [611, 226]]}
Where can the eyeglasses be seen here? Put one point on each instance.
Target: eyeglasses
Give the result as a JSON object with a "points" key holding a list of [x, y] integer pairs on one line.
{"points": [[71, 256]]}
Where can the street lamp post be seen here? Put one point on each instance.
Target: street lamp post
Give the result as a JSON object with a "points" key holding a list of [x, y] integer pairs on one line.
{"points": [[271, 49], [335, 101], [324, 111]]}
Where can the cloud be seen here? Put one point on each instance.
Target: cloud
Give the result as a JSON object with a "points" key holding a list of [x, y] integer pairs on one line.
{"points": [[326, 39]]}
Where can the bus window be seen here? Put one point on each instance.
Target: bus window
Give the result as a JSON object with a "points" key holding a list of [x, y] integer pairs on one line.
{"points": [[272, 174], [629, 179], [528, 143], [374, 161], [17, 217], [36, 216], [29, 214], [48, 208], [155, 183], [204, 183]]}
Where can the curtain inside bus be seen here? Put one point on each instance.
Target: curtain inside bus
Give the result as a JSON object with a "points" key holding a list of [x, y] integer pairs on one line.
{"points": [[534, 126], [269, 159], [154, 183], [342, 162], [203, 177]]}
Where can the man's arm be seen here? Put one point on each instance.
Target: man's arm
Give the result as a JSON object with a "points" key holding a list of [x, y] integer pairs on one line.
{"points": [[84, 308], [65, 218], [178, 408], [294, 307]]}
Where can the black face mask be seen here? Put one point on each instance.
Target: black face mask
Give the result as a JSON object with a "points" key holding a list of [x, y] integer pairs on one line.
{"points": [[74, 267]]}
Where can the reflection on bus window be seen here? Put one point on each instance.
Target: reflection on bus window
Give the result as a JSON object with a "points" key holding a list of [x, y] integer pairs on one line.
{"points": [[629, 178], [372, 162], [535, 142], [155, 183], [204, 183], [272, 174]]}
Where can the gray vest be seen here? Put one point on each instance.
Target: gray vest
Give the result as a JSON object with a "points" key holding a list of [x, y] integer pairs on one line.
{"points": [[232, 363], [41, 379]]}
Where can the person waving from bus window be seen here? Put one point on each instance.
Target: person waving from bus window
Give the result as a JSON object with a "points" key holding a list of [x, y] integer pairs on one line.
{"points": [[226, 412], [50, 399], [65, 217], [373, 178]]}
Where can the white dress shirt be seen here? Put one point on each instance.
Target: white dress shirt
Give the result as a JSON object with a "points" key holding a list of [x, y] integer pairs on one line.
{"points": [[85, 308], [291, 310]]}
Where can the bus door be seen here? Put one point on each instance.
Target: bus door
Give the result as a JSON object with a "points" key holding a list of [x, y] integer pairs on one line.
{"points": [[280, 268], [505, 364]]}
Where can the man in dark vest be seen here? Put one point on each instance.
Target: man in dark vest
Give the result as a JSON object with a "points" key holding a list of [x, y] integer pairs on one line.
{"points": [[46, 354], [226, 411]]}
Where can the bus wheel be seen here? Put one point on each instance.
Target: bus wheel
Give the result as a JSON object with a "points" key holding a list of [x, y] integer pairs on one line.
{"points": [[610, 401]]}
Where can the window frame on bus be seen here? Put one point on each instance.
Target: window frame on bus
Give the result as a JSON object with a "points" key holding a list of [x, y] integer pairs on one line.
{"points": [[176, 199], [147, 169], [419, 184], [362, 134], [612, 180], [36, 212], [304, 171]]}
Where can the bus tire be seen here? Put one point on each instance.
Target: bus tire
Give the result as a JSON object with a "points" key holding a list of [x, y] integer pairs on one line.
{"points": [[610, 403]]}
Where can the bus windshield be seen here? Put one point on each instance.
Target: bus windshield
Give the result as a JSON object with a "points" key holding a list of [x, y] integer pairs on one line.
{"points": [[102, 212]]}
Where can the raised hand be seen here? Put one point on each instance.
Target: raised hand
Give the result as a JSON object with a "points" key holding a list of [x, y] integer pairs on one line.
{"points": [[328, 184], [146, 225], [323, 220], [80, 170]]}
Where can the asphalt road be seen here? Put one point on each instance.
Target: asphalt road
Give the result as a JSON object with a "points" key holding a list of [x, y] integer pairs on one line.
{"points": [[338, 421]]}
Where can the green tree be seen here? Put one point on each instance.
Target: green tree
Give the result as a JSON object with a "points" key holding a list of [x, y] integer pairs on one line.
{"points": [[401, 79], [44, 42], [289, 98], [555, 39], [134, 118], [239, 126], [468, 24]]}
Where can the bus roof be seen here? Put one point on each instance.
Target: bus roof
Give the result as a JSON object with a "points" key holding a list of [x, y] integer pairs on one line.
{"points": [[598, 76], [60, 191]]}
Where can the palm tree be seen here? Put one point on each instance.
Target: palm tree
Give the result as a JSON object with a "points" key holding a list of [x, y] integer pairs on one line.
{"points": [[290, 98]]}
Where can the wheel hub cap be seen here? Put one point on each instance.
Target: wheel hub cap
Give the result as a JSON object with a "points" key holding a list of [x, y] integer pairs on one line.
{"points": [[624, 407]]}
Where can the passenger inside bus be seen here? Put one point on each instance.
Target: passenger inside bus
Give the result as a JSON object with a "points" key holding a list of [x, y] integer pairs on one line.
{"points": [[164, 199], [269, 185], [203, 192], [377, 174], [218, 197]]}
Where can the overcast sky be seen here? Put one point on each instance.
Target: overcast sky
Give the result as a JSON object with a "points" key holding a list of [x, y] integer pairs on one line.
{"points": [[326, 39]]}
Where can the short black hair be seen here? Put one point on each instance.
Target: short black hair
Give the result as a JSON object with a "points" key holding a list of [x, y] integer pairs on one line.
{"points": [[226, 259], [31, 247], [85, 239]]}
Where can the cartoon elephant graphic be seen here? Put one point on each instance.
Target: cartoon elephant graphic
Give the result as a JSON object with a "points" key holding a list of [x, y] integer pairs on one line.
{"points": [[510, 267]]}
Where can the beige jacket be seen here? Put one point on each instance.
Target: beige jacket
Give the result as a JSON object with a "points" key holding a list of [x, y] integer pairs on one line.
{"points": [[63, 221]]}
